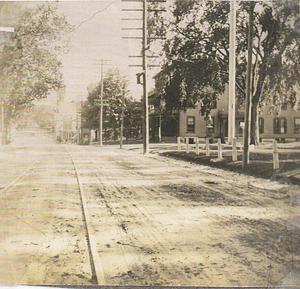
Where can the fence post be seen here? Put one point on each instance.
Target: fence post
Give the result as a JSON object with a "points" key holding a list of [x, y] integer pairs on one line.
{"points": [[207, 146], [234, 150], [187, 145], [178, 143], [197, 146], [275, 156], [219, 149]]}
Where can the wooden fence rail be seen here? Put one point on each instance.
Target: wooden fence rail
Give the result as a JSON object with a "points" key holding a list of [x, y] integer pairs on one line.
{"points": [[195, 146]]}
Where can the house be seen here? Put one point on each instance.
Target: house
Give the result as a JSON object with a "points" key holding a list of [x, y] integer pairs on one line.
{"points": [[191, 123], [284, 126], [163, 126]]}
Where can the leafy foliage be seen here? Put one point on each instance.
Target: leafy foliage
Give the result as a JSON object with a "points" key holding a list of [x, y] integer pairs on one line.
{"points": [[30, 65], [196, 53], [114, 85]]}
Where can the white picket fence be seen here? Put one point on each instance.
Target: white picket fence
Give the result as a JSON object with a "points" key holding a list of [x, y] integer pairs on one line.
{"points": [[183, 143]]}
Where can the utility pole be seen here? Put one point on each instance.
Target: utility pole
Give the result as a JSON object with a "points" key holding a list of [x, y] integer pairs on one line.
{"points": [[102, 63], [145, 88], [232, 64], [246, 155], [101, 108], [79, 123], [2, 123], [4, 29], [144, 56], [122, 118]]}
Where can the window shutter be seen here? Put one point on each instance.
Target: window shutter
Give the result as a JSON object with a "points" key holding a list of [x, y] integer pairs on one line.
{"points": [[285, 125], [275, 125]]}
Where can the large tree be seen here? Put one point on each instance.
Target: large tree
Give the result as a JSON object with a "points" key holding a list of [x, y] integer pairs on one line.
{"points": [[196, 53], [30, 62], [114, 86]]}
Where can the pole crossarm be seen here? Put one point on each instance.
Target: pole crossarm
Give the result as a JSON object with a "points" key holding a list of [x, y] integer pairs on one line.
{"points": [[139, 56], [7, 29], [142, 77], [141, 65], [141, 10], [132, 19], [140, 37], [132, 29]]}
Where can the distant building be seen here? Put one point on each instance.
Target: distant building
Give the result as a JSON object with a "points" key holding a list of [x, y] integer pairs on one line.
{"points": [[68, 120]]}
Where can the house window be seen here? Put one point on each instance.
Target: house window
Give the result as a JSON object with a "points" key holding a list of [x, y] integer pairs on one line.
{"points": [[190, 124], [210, 124], [261, 125], [280, 125], [297, 124]]}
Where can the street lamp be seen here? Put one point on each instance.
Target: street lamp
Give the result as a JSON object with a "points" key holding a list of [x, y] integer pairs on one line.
{"points": [[5, 29]]}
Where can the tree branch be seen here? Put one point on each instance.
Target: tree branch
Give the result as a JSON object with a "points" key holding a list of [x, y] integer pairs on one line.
{"points": [[239, 86]]}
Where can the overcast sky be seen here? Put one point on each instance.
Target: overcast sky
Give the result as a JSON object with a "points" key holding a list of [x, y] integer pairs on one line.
{"points": [[98, 35]]}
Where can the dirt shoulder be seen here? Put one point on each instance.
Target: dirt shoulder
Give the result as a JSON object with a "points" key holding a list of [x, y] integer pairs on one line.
{"points": [[260, 164]]}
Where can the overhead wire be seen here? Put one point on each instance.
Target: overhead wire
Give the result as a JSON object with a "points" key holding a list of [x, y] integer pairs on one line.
{"points": [[89, 18]]}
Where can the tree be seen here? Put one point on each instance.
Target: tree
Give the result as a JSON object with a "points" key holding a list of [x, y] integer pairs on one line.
{"points": [[133, 119], [30, 65], [114, 86], [196, 53]]}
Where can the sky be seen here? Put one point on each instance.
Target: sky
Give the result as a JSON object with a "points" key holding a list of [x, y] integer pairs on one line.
{"points": [[98, 35]]}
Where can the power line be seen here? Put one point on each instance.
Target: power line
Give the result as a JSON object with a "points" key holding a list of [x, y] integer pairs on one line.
{"points": [[144, 65], [95, 13]]}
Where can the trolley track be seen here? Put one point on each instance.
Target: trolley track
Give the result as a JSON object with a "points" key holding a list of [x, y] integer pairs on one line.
{"points": [[19, 178], [145, 218], [95, 262], [123, 202], [133, 240]]}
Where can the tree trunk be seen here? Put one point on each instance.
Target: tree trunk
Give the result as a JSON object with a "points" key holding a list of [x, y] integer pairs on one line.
{"points": [[254, 129]]}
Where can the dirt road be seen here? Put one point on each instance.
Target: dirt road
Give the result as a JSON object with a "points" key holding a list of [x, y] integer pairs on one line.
{"points": [[154, 221]]}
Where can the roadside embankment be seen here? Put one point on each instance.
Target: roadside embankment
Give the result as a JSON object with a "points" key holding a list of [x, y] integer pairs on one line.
{"points": [[260, 163]]}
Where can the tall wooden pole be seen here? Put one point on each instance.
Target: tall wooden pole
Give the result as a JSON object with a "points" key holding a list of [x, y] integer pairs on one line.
{"points": [[101, 108], [2, 123], [79, 112], [145, 89], [232, 57], [246, 155], [5, 29], [122, 118]]}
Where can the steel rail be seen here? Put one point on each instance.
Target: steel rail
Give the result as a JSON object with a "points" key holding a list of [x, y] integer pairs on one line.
{"points": [[136, 207], [18, 178], [95, 262]]}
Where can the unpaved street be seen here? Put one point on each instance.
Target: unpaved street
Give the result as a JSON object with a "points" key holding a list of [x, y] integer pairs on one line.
{"points": [[154, 220]]}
